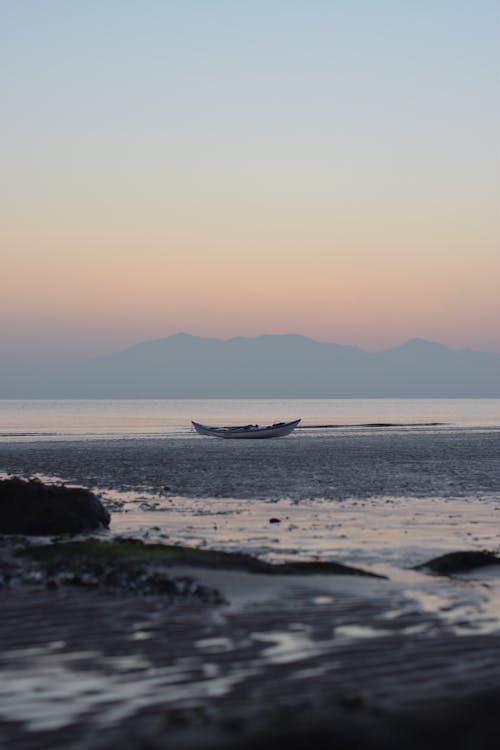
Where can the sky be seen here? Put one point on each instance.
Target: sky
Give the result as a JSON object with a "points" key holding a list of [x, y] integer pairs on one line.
{"points": [[223, 167]]}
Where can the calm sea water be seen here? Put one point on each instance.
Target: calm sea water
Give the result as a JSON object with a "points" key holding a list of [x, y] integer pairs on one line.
{"points": [[87, 419]]}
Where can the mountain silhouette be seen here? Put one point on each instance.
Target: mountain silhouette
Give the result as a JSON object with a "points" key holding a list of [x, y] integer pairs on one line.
{"points": [[269, 366]]}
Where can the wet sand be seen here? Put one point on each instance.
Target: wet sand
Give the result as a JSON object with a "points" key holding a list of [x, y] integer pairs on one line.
{"points": [[406, 661], [80, 670]]}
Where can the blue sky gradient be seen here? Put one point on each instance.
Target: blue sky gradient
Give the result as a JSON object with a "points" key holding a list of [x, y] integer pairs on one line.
{"points": [[172, 161]]}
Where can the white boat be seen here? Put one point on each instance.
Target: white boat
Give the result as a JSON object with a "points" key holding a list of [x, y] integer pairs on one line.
{"points": [[252, 431]]}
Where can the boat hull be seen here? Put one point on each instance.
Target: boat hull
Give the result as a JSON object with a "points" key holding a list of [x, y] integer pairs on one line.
{"points": [[247, 433]]}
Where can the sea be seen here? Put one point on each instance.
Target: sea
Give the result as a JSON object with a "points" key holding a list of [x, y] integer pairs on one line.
{"points": [[34, 420]]}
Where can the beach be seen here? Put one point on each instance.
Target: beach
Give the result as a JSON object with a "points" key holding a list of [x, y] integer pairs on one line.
{"points": [[407, 658], [249, 375]]}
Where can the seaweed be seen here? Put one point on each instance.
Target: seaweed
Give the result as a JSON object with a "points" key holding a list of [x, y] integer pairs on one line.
{"points": [[130, 549]]}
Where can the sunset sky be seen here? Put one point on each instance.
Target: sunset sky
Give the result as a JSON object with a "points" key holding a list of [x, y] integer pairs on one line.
{"points": [[239, 167]]}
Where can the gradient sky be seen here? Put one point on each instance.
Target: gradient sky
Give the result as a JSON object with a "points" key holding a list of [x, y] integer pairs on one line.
{"points": [[234, 167]]}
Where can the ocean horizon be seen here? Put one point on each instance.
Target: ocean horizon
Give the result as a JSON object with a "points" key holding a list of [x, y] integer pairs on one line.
{"points": [[60, 419]]}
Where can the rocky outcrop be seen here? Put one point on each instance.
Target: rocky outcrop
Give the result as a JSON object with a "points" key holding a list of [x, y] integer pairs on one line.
{"points": [[459, 562], [29, 506]]}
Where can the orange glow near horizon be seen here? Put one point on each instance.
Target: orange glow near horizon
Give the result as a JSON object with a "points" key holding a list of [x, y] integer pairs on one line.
{"points": [[372, 299]]}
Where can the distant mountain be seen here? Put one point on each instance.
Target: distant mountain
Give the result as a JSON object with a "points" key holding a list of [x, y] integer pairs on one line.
{"points": [[271, 366]]}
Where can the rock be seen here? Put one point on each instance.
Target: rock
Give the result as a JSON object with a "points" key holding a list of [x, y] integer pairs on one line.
{"points": [[459, 562], [33, 508]]}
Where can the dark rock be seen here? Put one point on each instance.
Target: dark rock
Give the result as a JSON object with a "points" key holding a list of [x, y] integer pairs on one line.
{"points": [[459, 562], [275, 520], [34, 508]]}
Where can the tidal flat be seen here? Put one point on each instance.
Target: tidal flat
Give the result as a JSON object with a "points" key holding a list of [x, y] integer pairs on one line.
{"points": [[406, 656]]}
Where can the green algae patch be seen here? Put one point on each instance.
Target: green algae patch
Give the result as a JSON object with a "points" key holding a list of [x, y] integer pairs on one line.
{"points": [[130, 549], [459, 562], [121, 551]]}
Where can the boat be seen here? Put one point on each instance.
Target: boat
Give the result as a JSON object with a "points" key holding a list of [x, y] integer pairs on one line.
{"points": [[252, 431]]}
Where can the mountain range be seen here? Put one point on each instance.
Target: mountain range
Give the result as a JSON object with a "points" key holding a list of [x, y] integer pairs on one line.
{"points": [[269, 366]]}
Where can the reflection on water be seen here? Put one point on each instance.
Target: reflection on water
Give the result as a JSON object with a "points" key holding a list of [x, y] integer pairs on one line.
{"points": [[289, 646], [87, 419], [52, 690], [395, 531]]}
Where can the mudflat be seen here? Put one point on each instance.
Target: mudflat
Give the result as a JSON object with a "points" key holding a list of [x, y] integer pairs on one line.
{"points": [[406, 659], [240, 657], [340, 659]]}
